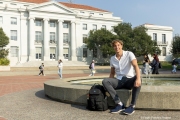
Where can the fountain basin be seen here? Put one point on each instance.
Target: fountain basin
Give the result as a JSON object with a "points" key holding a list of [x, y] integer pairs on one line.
{"points": [[150, 97]]}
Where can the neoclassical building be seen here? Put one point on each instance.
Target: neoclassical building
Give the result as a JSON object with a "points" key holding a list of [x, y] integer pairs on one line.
{"points": [[163, 35], [43, 30]]}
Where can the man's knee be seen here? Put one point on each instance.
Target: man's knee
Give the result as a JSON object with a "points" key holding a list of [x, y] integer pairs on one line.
{"points": [[105, 81]]}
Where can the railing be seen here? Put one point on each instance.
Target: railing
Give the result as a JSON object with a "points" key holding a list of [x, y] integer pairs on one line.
{"points": [[38, 41], [162, 43], [52, 42]]}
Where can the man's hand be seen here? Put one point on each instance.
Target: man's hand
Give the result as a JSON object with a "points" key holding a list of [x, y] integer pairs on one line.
{"points": [[137, 83]]}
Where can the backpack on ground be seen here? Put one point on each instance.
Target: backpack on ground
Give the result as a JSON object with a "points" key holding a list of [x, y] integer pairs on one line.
{"points": [[97, 100]]}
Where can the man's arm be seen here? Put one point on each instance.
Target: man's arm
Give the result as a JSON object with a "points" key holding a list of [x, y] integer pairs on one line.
{"points": [[136, 68], [112, 73]]}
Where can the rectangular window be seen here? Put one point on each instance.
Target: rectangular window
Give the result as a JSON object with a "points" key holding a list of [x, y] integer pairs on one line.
{"points": [[164, 51], [1, 19], [104, 26], [65, 37], [38, 22], [38, 36], [84, 52], [65, 25], [101, 14], [155, 36], [104, 55], [94, 27], [95, 53], [52, 35], [13, 21], [52, 53], [84, 26], [84, 38], [52, 23], [66, 53], [164, 38], [14, 51], [13, 34], [38, 52], [13, 4]]}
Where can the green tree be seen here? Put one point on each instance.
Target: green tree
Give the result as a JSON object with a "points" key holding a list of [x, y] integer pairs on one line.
{"points": [[136, 40], [175, 50], [142, 42], [4, 40], [101, 39]]}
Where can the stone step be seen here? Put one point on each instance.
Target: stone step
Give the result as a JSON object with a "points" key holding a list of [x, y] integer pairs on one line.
{"points": [[50, 63]]}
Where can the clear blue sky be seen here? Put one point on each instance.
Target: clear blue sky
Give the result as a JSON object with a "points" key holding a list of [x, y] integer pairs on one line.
{"points": [[138, 12]]}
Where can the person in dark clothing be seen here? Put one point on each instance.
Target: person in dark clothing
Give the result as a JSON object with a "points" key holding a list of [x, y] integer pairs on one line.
{"points": [[155, 64], [42, 69]]}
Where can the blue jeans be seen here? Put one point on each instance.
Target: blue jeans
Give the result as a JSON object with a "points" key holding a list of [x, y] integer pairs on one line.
{"points": [[60, 73]]}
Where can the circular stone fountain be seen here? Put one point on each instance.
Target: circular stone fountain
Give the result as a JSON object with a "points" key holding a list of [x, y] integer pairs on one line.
{"points": [[75, 90]]}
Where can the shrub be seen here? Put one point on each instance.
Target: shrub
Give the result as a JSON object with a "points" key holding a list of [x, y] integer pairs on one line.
{"points": [[4, 61]]}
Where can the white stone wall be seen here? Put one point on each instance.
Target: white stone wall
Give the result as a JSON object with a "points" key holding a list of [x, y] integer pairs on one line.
{"points": [[27, 13], [159, 30]]}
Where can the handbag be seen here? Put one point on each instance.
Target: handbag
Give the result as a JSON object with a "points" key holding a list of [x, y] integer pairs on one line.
{"points": [[160, 65]]}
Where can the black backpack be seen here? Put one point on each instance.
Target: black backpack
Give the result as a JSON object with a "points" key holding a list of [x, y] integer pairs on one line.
{"points": [[39, 67], [97, 100], [90, 66]]}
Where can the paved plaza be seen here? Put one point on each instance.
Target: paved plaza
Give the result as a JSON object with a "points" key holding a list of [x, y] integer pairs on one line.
{"points": [[22, 98]]}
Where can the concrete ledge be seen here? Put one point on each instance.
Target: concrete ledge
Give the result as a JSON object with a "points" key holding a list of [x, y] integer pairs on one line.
{"points": [[150, 97], [4, 68]]}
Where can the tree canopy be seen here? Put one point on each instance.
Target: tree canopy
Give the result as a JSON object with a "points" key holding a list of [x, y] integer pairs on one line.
{"points": [[101, 39], [175, 50], [4, 40], [134, 39]]}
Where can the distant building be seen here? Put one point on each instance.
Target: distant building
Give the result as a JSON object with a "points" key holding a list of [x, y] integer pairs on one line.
{"points": [[164, 37], [44, 30]]}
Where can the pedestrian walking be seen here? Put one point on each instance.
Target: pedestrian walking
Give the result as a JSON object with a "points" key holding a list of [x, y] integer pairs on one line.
{"points": [[41, 68], [174, 68], [60, 67], [92, 68]]}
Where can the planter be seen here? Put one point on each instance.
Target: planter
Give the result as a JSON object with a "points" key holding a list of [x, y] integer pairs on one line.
{"points": [[4, 68]]}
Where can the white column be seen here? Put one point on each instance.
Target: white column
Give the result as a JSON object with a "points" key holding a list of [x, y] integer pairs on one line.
{"points": [[31, 40], [46, 49], [78, 40], [60, 40], [73, 42]]}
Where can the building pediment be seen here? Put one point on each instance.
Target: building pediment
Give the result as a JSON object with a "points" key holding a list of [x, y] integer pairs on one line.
{"points": [[51, 6]]}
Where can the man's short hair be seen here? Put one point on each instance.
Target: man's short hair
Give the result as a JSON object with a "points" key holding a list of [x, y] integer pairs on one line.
{"points": [[115, 41]]}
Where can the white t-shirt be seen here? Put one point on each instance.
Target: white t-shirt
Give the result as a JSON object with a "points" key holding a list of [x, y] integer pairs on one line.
{"points": [[60, 65], [123, 67]]}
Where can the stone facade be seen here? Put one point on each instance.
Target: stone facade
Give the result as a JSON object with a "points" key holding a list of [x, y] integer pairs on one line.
{"points": [[164, 37], [51, 30]]}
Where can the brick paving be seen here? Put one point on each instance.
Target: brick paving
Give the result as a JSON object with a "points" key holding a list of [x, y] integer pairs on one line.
{"points": [[11, 84], [19, 84]]}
